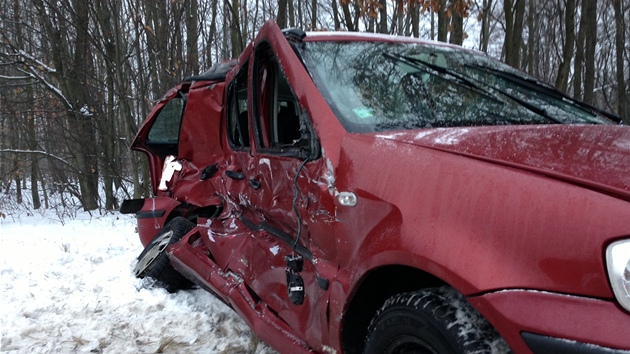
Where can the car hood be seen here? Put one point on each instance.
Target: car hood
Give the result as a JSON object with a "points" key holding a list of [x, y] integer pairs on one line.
{"points": [[594, 156]]}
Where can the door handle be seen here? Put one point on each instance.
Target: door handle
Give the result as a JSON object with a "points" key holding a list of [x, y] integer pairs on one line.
{"points": [[235, 175], [208, 172]]}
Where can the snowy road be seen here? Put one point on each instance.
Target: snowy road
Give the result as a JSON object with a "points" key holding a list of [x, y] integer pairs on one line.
{"points": [[69, 288]]}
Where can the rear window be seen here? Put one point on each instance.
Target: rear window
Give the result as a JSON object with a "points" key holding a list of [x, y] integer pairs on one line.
{"points": [[165, 129]]}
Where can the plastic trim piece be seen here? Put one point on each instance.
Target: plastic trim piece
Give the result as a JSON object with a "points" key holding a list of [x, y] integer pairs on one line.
{"points": [[541, 344], [152, 214], [130, 206]]}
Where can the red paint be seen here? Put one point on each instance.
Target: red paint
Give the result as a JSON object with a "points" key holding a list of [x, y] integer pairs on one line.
{"points": [[580, 319], [483, 209], [148, 226]]}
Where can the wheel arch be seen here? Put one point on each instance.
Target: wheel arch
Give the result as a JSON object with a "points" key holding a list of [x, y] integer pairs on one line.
{"points": [[158, 211], [376, 286]]}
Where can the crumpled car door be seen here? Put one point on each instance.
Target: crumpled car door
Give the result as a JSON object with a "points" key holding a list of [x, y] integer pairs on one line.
{"points": [[282, 269]]}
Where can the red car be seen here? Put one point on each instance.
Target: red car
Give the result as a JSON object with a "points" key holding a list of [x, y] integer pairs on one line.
{"points": [[355, 193]]}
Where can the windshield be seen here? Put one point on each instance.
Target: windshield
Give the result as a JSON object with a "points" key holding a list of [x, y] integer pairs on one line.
{"points": [[379, 86]]}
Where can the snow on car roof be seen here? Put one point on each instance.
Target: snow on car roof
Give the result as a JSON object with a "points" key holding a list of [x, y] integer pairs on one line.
{"points": [[363, 36], [329, 36]]}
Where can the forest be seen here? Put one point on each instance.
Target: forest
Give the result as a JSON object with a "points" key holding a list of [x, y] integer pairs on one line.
{"points": [[78, 77]]}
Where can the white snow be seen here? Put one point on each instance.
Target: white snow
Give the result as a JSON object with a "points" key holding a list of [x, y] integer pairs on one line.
{"points": [[85, 111], [69, 288]]}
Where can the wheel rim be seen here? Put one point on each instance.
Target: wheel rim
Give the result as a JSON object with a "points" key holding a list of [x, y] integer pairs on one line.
{"points": [[408, 344], [159, 245]]}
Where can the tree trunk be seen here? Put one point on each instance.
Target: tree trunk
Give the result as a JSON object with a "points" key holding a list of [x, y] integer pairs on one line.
{"points": [[578, 60], [192, 34], [18, 189], [235, 28], [281, 19], [485, 25], [313, 15], [457, 20], [73, 64], [345, 7], [336, 21], [28, 115], [443, 21], [622, 99], [508, 43], [400, 17], [562, 79], [292, 13], [415, 19], [213, 31], [300, 10], [85, 135], [590, 13], [514, 16], [152, 48], [531, 28], [432, 14], [382, 27], [32, 139]]}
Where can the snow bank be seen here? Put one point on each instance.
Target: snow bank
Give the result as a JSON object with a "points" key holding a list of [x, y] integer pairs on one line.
{"points": [[69, 288]]}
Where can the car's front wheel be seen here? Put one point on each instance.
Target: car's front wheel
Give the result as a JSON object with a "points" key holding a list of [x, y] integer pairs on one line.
{"points": [[154, 263], [436, 320]]}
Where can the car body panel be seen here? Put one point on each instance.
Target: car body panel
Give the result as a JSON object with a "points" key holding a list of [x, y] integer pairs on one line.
{"points": [[457, 193], [152, 217], [200, 136], [573, 318], [502, 214], [595, 157]]}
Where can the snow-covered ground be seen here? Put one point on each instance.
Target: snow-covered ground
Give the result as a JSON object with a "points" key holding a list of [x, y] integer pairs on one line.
{"points": [[69, 288]]}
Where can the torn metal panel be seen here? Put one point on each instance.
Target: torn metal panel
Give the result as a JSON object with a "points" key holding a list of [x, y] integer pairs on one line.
{"points": [[200, 137]]}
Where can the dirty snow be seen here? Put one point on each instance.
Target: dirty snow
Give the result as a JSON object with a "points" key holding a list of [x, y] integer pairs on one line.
{"points": [[68, 287]]}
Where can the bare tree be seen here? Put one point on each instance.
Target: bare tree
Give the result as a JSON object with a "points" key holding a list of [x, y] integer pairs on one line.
{"points": [[622, 91], [486, 11], [514, 16], [78, 77], [562, 80], [443, 20], [458, 10]]}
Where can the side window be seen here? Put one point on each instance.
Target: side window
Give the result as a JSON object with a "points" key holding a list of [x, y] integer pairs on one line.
{"points": [[276, 107], [165, 129], [237, 114]]}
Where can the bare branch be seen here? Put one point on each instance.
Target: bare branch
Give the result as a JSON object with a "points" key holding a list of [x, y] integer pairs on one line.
{"points": [[36, 152]]}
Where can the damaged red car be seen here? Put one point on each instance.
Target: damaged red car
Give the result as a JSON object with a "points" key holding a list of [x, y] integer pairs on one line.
{"points": [[355, 193]]}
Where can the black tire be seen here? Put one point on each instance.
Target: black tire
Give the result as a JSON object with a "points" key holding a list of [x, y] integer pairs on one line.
{"points": [[154, 263], [436, 320]]}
